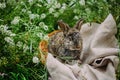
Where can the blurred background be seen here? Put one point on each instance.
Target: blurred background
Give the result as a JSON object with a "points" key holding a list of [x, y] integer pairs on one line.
{"points": [[24, 23]]}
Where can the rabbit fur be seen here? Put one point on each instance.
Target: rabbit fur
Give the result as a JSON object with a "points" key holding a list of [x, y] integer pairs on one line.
{"points": [[68, 42]]}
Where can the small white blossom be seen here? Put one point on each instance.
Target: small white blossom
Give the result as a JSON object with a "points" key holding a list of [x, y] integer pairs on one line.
{"points": [[2, 5], [3, 74], [56, 14], [8, 32], [30, 1], [31, 16], [43, 16], [46, 37], [9, 40], [76, 17], [41, 24], [82, 2], [39, 5], [40, 35], [63, 6], [19, 44], [49, 1], [45, 27], [15, 20], [35, 59], [51, 10], [25, 48], [88, 10], [24, 10], [21, 2], [12, 34], [3, 28], [58, 5]]}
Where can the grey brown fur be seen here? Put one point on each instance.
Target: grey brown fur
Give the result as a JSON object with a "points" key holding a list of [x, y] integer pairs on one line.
{"points": [[68, 42]]}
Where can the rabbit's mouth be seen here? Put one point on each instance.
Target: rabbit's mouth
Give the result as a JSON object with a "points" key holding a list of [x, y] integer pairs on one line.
{"points": [[72, 53]]}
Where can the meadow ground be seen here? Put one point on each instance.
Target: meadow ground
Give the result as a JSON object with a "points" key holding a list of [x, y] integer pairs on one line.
{"points": [[24, 23]]}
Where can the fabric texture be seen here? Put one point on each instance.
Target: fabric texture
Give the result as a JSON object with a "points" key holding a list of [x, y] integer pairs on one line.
{"points": [[99, 55]]}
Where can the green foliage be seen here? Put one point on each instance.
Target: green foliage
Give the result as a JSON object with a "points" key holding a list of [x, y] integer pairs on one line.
{"points": [[24, 23]]}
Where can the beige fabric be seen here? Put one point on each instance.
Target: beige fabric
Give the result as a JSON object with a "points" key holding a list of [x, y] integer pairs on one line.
{"points": [[99, 55]]}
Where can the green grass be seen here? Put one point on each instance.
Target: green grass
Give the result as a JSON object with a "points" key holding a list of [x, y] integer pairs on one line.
{"points": [[24, 23]]}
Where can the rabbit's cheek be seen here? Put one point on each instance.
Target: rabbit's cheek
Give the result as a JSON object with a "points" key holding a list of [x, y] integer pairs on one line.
{"points": [[68, 45]]}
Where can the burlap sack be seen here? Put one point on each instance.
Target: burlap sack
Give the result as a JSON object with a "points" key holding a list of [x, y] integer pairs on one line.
{"points": [[99, 55]]}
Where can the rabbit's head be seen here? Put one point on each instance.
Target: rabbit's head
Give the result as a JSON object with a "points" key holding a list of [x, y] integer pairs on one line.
{"points": [[72, 41]]}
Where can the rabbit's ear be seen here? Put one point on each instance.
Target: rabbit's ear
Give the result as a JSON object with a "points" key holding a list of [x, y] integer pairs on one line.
{"points": [[79, 24], [63, 26]]}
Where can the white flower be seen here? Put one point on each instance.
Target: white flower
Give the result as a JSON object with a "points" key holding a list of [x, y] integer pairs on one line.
{"points": [[25, 48], [8, 32], [58, 5], [2, 5], [31, 16], [88, 10], [3, 28], [63, 6], [82, 2], [51, 10], [56, 14], [12, 34], [30, 1], [39, 5], [46, 37], [49, 1], [43, 16], [9, 40], [40, 35], [76, 17], [41, 24], [35, 59], [21, 2], [19, 44], [45, 27], [15, 20], [24, 10]]}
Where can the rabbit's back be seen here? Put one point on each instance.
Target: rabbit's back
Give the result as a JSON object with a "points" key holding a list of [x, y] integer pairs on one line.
{"points": [[55, 44]]}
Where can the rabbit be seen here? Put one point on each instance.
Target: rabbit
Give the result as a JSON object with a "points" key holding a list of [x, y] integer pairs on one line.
{"points": [[67, 42]]}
